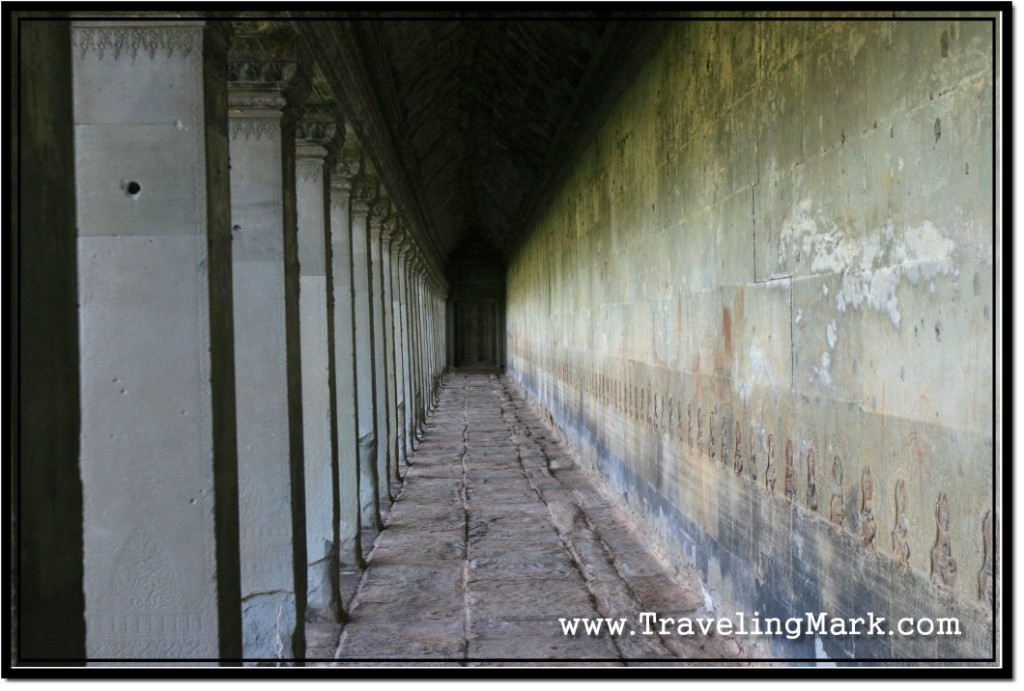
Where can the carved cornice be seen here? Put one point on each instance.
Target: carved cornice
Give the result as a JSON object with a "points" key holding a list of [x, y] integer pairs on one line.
{"points": [[345, 70], [115, 42], [264, 39], [256, 100]]}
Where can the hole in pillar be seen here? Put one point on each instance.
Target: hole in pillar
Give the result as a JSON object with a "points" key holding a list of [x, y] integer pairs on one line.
{"points": [[133, 188]]}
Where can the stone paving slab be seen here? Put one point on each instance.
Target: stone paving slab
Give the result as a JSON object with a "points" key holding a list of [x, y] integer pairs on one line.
{"points": [[494, 537]]}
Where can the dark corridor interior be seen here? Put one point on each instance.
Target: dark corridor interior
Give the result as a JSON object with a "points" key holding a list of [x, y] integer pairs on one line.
{"points": [[476, 304]]}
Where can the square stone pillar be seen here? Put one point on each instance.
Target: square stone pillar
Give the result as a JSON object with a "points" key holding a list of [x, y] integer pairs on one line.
{"points": [[346, 407], [416, 344], [315, 133], [393, 249], [364, 194], [378, 219], [268, 355], [158, 458], [421, 349], [407, 342], [47, 499]]}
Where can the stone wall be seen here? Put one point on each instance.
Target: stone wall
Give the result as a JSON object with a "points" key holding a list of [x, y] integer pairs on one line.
{"points": [[760, 302]]}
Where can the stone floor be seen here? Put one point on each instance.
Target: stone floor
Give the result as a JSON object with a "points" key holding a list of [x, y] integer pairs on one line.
{"points": [[495, 536]]}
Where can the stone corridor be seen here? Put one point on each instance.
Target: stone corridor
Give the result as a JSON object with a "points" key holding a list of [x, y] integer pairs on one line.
{"points": [[495, 535], [346, 337]]}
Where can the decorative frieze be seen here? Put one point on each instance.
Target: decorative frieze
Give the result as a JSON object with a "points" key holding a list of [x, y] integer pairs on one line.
{"points": [[133, 41], [310, 170], [255, 128]]}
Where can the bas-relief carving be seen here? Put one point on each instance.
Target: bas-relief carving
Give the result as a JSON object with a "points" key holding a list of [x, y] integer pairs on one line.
{"points": [[901, 531], [867, 509], [770, 466], [700, 430], [985, 576], [737, 465], [837, 510], [752, 458], [133, 40], [943, 563], [144, 574], [725, 441], [812, 486], [790, 484], [711, 436]]}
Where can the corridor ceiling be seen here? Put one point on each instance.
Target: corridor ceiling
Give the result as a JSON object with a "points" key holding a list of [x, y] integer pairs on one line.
{"points": [[471, 109]]}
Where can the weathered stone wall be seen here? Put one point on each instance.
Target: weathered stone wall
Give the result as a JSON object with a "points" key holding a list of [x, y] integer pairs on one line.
{"points": [[760, 301]]}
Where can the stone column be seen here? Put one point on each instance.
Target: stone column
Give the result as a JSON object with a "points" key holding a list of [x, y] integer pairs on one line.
{"points": [[417, 340], [379, 217], [422, 385], [345, 396], [364, 194], [158, 460], [401, 265], [314, 136], [438, 324], [387, 233], [449, 323], [398, 380], [262, 93]]}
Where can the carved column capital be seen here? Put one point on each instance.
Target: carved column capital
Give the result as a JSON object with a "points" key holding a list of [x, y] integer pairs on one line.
{"points": [[404, 245], [316, 133], [314, 126], [392, 233], [381, 214], [266, 84], [364, 192], [418, 266]]}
